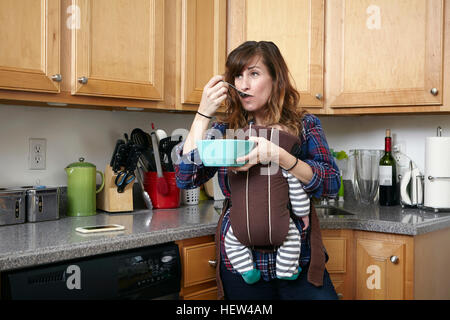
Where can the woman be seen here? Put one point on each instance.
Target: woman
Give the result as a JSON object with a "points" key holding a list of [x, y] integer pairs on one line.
{"points": [[259, 70]]}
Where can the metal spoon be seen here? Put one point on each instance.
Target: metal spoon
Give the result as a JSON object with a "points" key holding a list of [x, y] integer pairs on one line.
{"points": [[242, 94]]}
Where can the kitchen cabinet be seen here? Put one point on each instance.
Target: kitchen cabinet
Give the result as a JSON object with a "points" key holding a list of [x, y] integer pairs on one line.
{"points": [[297, 27], [150, 54], [384, 265], [384, 53], [203, 45], [198, 258], [29, 37], [366, 265], [340, 266], [117, 49], [354, 57], [392, 266]]}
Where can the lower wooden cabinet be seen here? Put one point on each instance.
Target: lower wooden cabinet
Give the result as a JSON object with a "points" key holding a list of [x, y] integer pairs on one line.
{"points": [[384, 266], [339, 246], [362, 265], [198, 259], [367, 265]]}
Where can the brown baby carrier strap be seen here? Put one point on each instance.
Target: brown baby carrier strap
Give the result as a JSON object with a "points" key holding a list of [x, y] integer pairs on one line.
{"points": [[260, 214]]}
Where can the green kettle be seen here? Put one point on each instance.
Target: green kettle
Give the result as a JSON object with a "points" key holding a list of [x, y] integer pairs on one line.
{"points": [[81, 188]]}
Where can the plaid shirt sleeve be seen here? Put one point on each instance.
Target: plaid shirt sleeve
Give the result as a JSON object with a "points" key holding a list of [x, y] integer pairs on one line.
{"points": [[315, 152], [190, 172]]}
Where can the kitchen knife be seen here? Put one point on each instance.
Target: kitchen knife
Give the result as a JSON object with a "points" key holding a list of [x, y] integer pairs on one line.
{"points": [[116, 149]]}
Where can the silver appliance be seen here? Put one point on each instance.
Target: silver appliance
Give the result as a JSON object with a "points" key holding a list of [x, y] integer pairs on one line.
{"points": [[42, 203], [12, 206]]}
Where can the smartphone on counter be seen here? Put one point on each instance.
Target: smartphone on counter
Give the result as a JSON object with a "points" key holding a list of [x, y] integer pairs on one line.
{"points": [[100, 228]]}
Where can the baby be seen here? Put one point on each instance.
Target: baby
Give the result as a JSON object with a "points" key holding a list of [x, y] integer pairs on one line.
{"points": [[288, 254]]}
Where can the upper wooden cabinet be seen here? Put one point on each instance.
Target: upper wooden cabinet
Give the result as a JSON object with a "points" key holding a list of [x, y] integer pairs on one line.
{"points": [[117, 49], [203, 45], [29, 37], [384, 53], [345, 57], [296, 27]]}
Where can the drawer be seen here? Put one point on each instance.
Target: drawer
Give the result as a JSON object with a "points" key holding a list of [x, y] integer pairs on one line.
{"points": [[196, 267], [337, 252]]}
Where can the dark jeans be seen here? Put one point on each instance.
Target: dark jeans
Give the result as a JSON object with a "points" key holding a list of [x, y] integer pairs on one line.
{"points": [[235, 288]]}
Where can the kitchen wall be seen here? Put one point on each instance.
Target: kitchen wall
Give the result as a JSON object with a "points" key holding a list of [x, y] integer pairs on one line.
{"points": [[74, 133]]}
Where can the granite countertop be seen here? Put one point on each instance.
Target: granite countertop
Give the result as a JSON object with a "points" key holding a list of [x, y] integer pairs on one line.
{"points": [[395, 219], [30, 244]]}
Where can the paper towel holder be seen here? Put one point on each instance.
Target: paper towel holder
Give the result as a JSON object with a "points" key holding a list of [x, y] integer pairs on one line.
{"points": [[432, 179]]}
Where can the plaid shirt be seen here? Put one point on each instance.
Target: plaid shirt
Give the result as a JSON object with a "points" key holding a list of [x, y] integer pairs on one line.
{"points": [[191, 173]]}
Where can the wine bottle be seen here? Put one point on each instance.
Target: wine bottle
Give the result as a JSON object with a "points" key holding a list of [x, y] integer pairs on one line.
{"points": [[388, 174]]}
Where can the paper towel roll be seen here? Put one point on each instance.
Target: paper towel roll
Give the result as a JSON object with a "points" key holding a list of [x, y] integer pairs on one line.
{"points": [[437, 165]]}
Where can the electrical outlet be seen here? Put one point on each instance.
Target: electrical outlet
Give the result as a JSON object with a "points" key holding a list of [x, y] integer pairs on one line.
{"points": [[36, 154]]}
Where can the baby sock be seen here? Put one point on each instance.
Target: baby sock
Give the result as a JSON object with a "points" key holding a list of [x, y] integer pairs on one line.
{"points": [[252, 276]]}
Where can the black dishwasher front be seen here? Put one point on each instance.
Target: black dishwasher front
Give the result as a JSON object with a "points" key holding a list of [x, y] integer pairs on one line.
{"points": [[152, 272]]}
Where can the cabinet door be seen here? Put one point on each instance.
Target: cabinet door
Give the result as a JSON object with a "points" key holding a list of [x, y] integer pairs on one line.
{"points": [[296, 27], [29, 37], [196, 267], [383, 266], [340, 265], [118, 49], [203, 46], [384, 53]]}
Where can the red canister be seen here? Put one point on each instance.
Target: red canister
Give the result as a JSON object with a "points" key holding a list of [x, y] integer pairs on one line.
{"points": [[160, 201]]}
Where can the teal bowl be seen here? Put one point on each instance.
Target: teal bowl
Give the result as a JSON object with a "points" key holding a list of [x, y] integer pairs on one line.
{"points": [[223, 152]]}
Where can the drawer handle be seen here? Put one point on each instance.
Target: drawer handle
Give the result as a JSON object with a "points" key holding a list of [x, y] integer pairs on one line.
{"points": [[212, 263]]}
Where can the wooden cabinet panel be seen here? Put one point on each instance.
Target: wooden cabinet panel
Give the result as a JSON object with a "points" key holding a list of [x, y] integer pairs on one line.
{"points": [[296, 27], [196, 267], [340, 265], [384, 53], [119, 48], [203, 46], [337, 260], [30, 38], [384, 266]]}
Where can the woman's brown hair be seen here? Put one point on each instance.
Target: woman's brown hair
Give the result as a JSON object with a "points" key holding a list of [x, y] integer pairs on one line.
{"points": [[282, 104]]}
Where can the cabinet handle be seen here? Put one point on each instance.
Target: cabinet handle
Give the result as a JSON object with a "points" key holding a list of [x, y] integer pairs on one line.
{"points": [[318, 96], [83, 80], [434, 91], [57, 77], [212, 263], [394, 259]]}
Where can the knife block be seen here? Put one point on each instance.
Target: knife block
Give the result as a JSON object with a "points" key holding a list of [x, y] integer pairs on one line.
{"points": [[112, 201]]}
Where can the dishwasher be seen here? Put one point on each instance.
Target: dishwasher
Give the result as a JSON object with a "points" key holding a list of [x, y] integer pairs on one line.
{"points": [[152, 272]]}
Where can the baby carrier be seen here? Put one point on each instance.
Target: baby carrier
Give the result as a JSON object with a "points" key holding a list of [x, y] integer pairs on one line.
{"points": [[260, 200]]}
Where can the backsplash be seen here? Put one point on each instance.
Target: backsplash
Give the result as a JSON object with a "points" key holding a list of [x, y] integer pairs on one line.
{"points": [[74, 133]]}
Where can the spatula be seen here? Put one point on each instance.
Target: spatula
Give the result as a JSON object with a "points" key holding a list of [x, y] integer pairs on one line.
{"points": [[161, 183]]}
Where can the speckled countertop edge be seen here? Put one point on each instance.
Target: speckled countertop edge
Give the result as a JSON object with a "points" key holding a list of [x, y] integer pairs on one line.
{"points": [[178, 224], [20, 259]]}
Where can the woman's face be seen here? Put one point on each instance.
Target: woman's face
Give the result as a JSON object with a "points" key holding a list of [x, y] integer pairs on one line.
{"points": [[254, 79]]}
